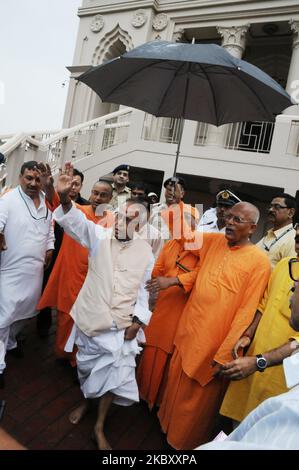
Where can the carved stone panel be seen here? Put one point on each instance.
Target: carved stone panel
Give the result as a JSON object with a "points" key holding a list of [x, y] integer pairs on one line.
{"points": [[97, 24], [160, 22], [139, 18]]}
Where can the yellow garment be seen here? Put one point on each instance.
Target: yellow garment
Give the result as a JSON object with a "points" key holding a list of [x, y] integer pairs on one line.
{"points": [[273, 331], [283, 247]]}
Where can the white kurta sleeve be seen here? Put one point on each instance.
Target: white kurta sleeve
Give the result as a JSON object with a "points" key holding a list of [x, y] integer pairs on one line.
{"points": [[141, 309], [77, 226], [3, 212], [51, 237]]}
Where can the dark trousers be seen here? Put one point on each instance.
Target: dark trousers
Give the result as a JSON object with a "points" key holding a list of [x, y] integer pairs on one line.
{"points": [[44, 318]]}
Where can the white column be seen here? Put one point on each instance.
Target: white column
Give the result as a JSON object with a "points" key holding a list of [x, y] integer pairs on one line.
{"points": [[234, 39], [293, 76]]}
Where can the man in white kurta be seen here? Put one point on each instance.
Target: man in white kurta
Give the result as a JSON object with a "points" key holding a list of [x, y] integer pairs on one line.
{"points": [[110, 307], [27, 226]]}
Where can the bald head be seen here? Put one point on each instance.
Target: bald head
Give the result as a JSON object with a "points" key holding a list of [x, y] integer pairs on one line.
{"points": [[250, 211], [240, 223], [103, 183], [101, 193]]}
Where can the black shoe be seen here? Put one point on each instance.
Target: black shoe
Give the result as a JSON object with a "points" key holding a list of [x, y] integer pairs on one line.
{"points": [[2, 381], [44, 322], [16, 352], [75, 376]]}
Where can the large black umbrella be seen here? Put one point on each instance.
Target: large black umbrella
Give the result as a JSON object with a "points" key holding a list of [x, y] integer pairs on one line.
{"points": [[188, 81]]}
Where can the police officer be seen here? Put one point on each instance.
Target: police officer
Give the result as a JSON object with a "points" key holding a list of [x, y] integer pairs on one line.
{"points": [[213, 219]]}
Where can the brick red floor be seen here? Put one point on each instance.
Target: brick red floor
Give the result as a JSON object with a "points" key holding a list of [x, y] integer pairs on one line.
{"points": [[40, 393]]}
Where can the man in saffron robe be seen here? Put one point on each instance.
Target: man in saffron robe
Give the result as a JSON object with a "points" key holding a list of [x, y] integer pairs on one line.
{"points": [[70, 269], [231, 280], [174, 260]]}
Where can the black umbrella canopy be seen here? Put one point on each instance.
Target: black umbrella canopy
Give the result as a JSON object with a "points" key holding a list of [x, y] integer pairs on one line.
{"points": [[191, 81]]}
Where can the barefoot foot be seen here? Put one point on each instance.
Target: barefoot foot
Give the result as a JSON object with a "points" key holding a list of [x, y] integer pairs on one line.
{"points": [[78, 413], [101, 440]]}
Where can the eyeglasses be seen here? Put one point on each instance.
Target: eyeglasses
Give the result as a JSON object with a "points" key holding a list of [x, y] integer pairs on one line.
{"points": [[277, 207], [236, 219], [294, 269]]}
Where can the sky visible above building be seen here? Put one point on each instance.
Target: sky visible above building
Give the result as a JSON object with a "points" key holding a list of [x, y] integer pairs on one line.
{"points": [[37, 42]]}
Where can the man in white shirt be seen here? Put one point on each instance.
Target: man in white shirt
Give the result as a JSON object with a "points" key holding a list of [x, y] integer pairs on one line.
{"points": [[111, 306], [26, 223], [278, 243], [213, 220]]}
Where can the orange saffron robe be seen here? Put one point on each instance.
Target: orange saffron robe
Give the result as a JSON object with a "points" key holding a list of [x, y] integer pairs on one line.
{"points": [[160, 333], [65, 282], [228, 288]]}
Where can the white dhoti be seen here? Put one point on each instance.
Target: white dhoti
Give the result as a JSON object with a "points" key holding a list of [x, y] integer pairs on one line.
{"points": [[106, 363], [113, 293]]}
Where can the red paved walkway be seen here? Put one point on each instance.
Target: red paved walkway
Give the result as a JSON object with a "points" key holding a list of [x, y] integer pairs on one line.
{"points": [[40, 393]]}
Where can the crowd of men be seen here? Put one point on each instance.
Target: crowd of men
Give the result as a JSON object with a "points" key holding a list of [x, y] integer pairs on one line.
{"points": [[208, 310]]}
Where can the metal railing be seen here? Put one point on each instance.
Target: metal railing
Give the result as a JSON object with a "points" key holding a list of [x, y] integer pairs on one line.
{"points": [[75, 143], [90, 138], [201, 134], [293, 141], [250, 136], [116, 131], [86, 141], [54, 155], [166, 130], [3, 174]]}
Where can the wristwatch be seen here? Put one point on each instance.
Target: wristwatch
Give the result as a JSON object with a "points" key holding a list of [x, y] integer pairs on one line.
{"points": [[261, 363], [135, 319]]}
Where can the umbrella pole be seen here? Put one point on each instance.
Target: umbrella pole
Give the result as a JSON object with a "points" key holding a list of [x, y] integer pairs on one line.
{"points": [[181, 130]]}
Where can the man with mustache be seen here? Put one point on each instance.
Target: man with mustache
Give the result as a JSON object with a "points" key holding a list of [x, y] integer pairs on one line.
{"points": [[268, 339], [26, 224], [121, 192], [278, 243]]}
